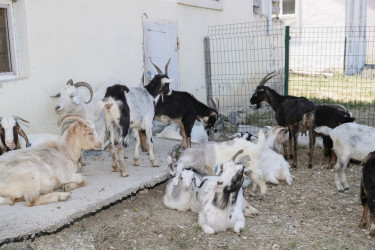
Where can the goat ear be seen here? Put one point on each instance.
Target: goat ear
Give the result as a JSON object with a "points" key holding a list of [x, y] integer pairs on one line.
{"points": [[23, 134], [76, 100]]}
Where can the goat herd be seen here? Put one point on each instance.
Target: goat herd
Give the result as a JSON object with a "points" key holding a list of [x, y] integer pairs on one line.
{"points": [[206, 178]]}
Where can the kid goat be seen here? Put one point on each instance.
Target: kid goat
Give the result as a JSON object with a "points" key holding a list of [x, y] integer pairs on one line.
{"points": [[296, 113], [33, 174], [133, 108]]}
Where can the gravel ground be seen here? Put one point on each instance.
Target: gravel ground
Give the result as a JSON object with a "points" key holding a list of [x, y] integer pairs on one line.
{"points": [[309, 214]]}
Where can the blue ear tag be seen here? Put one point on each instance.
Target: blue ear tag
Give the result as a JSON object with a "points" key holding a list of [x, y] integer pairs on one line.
{"points": [[255, 90], [216, 167], [149, 74], [29, 144]]}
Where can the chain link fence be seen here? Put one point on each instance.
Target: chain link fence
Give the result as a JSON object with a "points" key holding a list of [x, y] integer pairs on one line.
{"points": [[326, 65]]}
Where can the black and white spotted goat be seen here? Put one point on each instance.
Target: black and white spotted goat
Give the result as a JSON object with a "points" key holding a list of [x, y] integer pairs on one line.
{"points": [[133, 108]]}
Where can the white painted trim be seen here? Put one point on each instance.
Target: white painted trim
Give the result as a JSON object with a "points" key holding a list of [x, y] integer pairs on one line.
{"points": [[207, 4], [7, 4]]}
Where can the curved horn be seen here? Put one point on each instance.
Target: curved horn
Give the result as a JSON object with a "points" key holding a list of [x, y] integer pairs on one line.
{"points": [[85, 84], [213, 103], [237, 154], [71, 117], [266, 78], [15, 117], [70, 82], [166, 67], [57, 95], [156, 67]]}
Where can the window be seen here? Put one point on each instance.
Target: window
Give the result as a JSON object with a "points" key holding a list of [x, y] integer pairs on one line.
{"points": [[288, 7], [208, 4], [8, 66]]}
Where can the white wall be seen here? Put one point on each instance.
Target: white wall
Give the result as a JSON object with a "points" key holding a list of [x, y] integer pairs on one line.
{"points": [[94, 41]]}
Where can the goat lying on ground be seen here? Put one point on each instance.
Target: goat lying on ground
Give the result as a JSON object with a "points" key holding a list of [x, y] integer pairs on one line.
{"points": [[265, 163], [133, 108], [219, 200], [277, 139], [9, 131], [368, 192], [330, 116], [72, 101], [33, 174], [296, 113], [350, 141], [179, 196], [247, 136]]}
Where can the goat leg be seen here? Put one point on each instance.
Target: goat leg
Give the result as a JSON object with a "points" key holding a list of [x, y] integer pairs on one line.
{"points": [[363, 223], [120, 148], [142, 137], [311, 144]]}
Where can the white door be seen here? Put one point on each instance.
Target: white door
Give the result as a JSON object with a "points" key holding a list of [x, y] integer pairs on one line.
{"points": [[160, 44]]}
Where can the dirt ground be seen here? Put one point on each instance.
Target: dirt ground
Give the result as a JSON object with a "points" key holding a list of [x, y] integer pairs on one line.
{"points": [[309, 214]]}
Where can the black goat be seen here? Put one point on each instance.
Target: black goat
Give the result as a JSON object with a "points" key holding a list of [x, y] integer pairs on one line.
{"points": [[296, 113], [330, 116], [368, 192], [183, 109]]}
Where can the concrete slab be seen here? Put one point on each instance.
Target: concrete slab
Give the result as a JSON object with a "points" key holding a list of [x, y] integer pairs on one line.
{"points": [[103, 188]]}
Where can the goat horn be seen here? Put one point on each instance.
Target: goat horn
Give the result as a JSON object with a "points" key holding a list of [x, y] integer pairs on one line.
{"points": [[23, 134], [156, 67], [70, 82], [237, 154], [71, 117], [266, 78], [85, 84], [15, 117], [57, 95], [213, 103], [166, 67]]}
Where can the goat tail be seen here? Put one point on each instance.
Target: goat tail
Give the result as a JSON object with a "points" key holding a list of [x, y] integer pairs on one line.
{"points": [[323, 130]]}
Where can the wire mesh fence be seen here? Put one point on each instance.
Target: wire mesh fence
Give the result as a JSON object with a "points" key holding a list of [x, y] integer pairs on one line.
{"points": [[326, 65], [238, 56], [335, 65]]}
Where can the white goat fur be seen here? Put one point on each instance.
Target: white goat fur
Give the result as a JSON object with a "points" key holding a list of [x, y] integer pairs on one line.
{"points": [[72, 100], [33, 174], [36, 139], [350, 141], [178, 196], [214, 215], [267, 165], [277, 138]]}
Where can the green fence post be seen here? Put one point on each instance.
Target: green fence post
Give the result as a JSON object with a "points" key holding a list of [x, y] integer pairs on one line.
{"points": [[286, 73]]}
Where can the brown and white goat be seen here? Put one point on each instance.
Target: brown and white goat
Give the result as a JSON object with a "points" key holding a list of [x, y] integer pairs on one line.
{"points": [[33, 174], [9, 131]]}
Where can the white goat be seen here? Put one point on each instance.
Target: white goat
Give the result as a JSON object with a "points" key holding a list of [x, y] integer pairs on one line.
{"points": [[33, 174], [133, 108], [277, 139], [178, 196], [73, 101], [350, 141], [219, 200], [267, 165], [9, 131]]}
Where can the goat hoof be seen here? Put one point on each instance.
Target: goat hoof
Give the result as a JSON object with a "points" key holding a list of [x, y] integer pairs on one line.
{"points": [[155, 165], [363, 225], [290, 156], [341, 190], [114, 168], [310, 166], [294, 165], [347, 188], [123, 174], [135, 162]]}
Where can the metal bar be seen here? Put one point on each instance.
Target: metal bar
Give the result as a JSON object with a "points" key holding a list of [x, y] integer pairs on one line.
{"points": [[286, 72], [207, 61]]}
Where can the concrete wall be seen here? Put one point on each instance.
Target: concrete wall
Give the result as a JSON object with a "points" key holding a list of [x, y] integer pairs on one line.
{"points": [[94, 41]]}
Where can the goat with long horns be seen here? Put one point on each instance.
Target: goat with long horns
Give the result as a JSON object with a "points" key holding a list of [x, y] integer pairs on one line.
{"points": [[295, 113]]}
